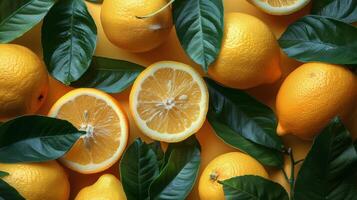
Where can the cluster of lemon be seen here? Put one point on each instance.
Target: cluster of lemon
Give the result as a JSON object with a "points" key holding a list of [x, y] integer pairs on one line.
{"points": [[168, 101]]}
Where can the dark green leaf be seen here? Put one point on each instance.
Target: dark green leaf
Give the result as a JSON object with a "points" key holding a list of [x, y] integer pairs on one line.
{"points": [[344, 10], [95, 1], [315, 38], [36, 139], [3, 174], [68, 39], [264, 155], [253, 188], [138, 168], [109, 75], [7, 192], [156, 147], [199, 27], [19, 16], [327, 172], [244, 115], [179, 175]]}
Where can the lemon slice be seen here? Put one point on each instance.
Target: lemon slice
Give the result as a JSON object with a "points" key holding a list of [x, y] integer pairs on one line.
{"points": [[106, 126], [169, 101], [280, 7]]}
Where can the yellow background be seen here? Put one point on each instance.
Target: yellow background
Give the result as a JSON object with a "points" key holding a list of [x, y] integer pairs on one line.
{"points": [[171, 50]]}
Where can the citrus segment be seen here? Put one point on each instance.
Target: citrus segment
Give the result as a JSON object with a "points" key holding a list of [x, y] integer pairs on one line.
{"points": [[280, 7], [169, 101], [105, 124]]}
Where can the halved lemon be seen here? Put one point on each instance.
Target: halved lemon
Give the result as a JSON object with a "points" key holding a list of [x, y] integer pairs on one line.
{"points": [[106, 126], [169, 101], [280, 7]]}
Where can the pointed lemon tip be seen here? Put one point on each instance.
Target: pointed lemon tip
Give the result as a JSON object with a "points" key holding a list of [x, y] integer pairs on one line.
{"points": [[280, 130]]}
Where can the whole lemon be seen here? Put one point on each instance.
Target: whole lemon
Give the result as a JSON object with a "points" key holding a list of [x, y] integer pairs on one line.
{"points": [[23, 81], [225, 167], [312, 95], [38, 181], [107, 187], [124, 29], [250, 55]]}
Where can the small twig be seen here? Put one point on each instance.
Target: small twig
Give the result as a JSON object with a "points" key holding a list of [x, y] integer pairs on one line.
{"points": [[285, 175], [299, 161], [292, 174], [156, 12]]}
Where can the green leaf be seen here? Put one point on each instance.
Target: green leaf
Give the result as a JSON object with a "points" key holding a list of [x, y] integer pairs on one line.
{"points": [[156, 147], [19, 16], [244, 115], [253, 188], [344, 10], [68, 39], [7, 192], [315, 38], [95, 1], [266, 156], [199, 27], [138, 168], [327, 172], [244, 123], [179, 175], [109, 75], [36, 139], [3, 174]]}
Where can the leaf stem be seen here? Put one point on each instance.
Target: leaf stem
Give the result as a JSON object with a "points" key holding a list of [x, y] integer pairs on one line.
{"points": [[292, 173], [156, 12]]}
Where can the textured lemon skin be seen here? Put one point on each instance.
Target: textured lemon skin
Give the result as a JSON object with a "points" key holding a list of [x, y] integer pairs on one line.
{"points": [[107, 187], [224, 167], [38, 181], [23, 81], [125, 30], [250, 55], [312, 95]]}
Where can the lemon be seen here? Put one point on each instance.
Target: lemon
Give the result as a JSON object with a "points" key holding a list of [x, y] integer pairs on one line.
{"points": [[107, 187], [312, 95], [169, 101], [106, 126], [23, 81], [38, 181], [278, 7], [224, 167], [250, 55], [124, 29]]}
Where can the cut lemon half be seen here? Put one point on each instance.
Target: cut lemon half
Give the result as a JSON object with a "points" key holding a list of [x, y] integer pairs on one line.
{"points": [[169, 101], [280, 7], [105, 124]]}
